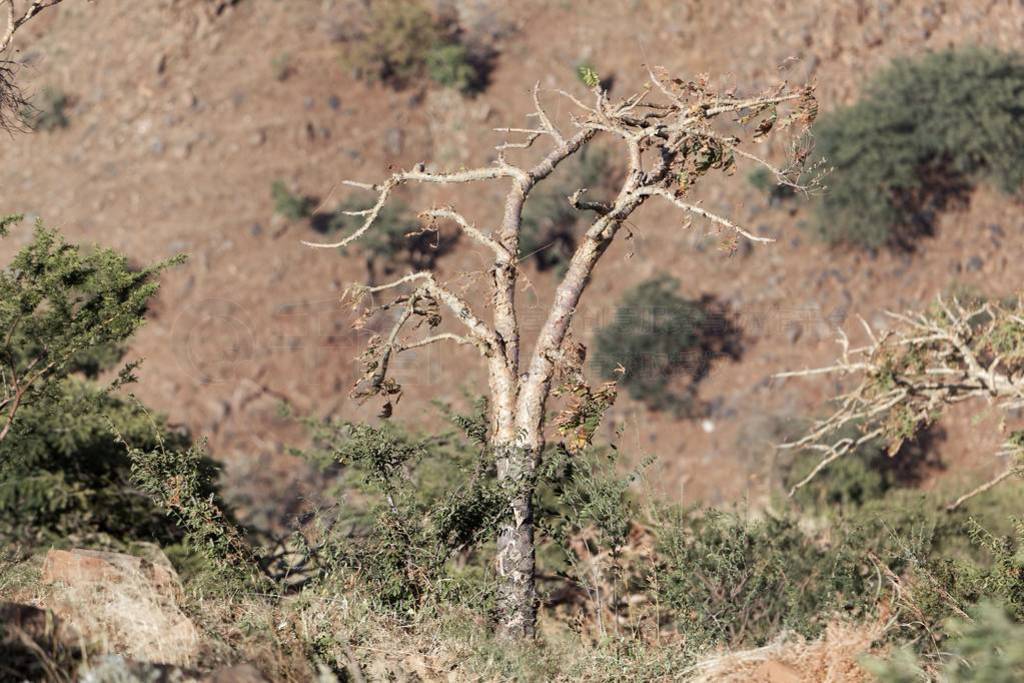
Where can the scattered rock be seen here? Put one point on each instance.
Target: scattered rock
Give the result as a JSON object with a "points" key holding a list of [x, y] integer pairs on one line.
{"points": [[128, 602], [974, 264], [334, 102]]}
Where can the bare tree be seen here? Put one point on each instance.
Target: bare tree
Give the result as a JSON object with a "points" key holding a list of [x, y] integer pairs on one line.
{"points": [[948, 354], [670, 140], [12, 100]]}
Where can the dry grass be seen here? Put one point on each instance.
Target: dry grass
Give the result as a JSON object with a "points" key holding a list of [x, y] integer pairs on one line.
{"points": [[833, 658]]}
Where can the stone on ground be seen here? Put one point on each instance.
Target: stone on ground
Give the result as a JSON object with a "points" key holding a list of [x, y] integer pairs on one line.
{"points": [[127, 605]]}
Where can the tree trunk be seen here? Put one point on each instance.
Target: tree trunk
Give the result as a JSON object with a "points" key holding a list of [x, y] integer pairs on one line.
{"points": [[517, 593], [516, 560]]}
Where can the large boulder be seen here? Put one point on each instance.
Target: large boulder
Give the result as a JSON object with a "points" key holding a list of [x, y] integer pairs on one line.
{"points": [[127, 604]]}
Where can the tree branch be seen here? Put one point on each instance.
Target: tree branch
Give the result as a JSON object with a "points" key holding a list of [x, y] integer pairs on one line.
{"points": [[456, 305], [13, 23], [714, 218], [501, 170], [502, 254]]}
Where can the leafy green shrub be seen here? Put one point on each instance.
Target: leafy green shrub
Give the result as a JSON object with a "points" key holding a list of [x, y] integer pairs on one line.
{"points": [[740, 582], [48, 111], [62, 311], [65, 314], [922, 135], [395, 241], [65, 475], [411, 507], [401, 43], [451, 65], [550, 225], [292, 206], [657, 334], [867, 473], [180, 480]]}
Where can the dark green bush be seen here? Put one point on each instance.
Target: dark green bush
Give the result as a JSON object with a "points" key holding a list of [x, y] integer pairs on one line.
{"points": [[292, 206], [737, 582], [865, 474], [924, 132], [63, 311], [66, 477], [732, 581], [657, 335], [65, 315]]}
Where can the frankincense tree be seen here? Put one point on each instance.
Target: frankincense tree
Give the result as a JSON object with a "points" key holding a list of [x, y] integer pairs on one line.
{"points": [[672, 133]]}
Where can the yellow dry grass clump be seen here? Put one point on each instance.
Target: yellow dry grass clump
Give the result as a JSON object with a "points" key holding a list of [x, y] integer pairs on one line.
{"points": [[832, 658]]}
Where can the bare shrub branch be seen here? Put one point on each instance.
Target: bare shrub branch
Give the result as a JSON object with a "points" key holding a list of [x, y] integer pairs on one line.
{"points": [[906, 377]]}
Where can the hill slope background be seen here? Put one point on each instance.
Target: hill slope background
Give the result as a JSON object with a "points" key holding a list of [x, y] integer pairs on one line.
{"points": [[178, 128]]}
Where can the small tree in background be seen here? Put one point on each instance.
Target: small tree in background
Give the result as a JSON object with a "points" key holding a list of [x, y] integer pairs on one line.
{"points": [[924, 133], [670, 140], [288, 204], [399, 43], [47, 112]]}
